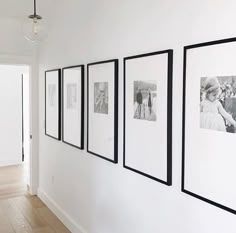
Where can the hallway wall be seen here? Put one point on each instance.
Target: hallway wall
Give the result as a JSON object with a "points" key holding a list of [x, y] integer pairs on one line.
{"points": [[90, 193]]}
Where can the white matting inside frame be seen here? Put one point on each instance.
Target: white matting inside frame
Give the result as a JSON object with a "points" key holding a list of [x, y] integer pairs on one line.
{"points": [[101, 109], [72, 105], [52, 103], [146, 130]]}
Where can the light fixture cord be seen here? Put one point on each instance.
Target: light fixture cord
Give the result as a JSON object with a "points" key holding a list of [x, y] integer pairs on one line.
{"points": [[34, 7]]}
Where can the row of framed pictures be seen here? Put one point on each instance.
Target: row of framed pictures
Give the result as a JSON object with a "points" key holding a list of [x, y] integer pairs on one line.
{"points": [[209, 116], [147, 111]]}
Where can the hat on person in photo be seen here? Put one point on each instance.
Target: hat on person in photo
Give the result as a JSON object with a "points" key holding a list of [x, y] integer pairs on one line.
{"points": [[211, 85]]}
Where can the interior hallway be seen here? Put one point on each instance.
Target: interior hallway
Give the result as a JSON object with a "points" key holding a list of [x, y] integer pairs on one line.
{"points": [[20, 212]]}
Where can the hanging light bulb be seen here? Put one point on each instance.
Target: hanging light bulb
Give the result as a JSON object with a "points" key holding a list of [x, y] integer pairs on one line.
{"points": [[33, 27]]}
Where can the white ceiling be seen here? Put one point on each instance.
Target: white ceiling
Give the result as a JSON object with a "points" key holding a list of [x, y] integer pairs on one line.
{"points": [[22, 8]]}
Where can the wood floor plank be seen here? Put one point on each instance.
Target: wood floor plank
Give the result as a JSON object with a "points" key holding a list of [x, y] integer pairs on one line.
{"points": [[52, 220], [44, 230], [35, 201], [11, 174], [12, 195], [15, 217], [6, 228], [21, 212], [5, 224], [29, 212], [12, 182]]}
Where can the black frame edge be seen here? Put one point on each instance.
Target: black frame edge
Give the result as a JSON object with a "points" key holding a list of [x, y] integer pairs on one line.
{"points": [[169, 53], [169, 116], [116, 98], [82, 107], [59, 104], [186, 48]]}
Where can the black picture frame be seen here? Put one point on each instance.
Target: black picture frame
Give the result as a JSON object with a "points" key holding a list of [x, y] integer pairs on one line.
{"points": [[184, 156], [81, 146], [58, 137], [169, 53], [115, 63]]}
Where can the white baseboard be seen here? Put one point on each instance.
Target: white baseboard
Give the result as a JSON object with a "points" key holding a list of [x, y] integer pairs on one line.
{"points": [[60, 213], [10, 163]]}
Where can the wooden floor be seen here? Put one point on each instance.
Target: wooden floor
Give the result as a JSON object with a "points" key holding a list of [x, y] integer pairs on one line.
{"points": [[20, 212], [12, 182]]}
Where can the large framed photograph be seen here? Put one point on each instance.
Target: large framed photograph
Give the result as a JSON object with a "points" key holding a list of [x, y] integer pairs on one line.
{"points": [[148, 115], [102, 122], [53, 103], [73, 106], [209, 123]]}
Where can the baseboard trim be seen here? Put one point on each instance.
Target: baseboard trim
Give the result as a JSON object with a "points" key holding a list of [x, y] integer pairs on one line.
{"points": [[10, 163], [60, 213]]}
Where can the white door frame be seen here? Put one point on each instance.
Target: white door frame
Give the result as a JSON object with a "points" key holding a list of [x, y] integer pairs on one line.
{"points": [[30, 61]]}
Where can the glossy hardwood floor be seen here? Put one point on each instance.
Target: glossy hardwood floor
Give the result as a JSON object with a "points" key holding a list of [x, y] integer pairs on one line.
{"points": [[20, 212]]}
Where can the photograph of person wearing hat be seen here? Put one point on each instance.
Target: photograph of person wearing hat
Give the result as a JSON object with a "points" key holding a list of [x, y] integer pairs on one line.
{"points": [[212, 114]]}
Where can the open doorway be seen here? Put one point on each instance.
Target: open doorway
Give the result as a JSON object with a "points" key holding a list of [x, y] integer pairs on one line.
{"points": [[15, 130]]}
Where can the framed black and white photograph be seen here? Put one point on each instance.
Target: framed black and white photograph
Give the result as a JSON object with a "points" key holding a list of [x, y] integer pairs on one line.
{"points": [[101, 97], [53, 103], [209, 123], [102, 121], [73, 106], [148, 115]]}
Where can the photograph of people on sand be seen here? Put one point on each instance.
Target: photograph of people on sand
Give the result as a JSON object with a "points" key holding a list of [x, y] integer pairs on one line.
{"points": [[145, 100]]}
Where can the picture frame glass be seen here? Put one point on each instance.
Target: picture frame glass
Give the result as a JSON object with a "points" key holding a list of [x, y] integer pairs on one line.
{"points": [[73, 106], [102, 109], [210, 114], [146, 115], [52, 103]]}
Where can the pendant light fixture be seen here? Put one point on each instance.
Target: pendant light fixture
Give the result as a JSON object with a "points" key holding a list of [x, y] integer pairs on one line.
{"points": [[33, 27]]}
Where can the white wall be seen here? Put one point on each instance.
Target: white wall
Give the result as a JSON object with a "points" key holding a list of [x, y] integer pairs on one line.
{"points": [[11, 114], [93, 193], [12, 41]]}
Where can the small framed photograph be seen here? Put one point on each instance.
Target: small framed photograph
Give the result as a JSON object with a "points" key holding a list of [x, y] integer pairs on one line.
{"points": [[148, 115], [209, 123], [53, 103], [73, 106], [102, 122]]}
